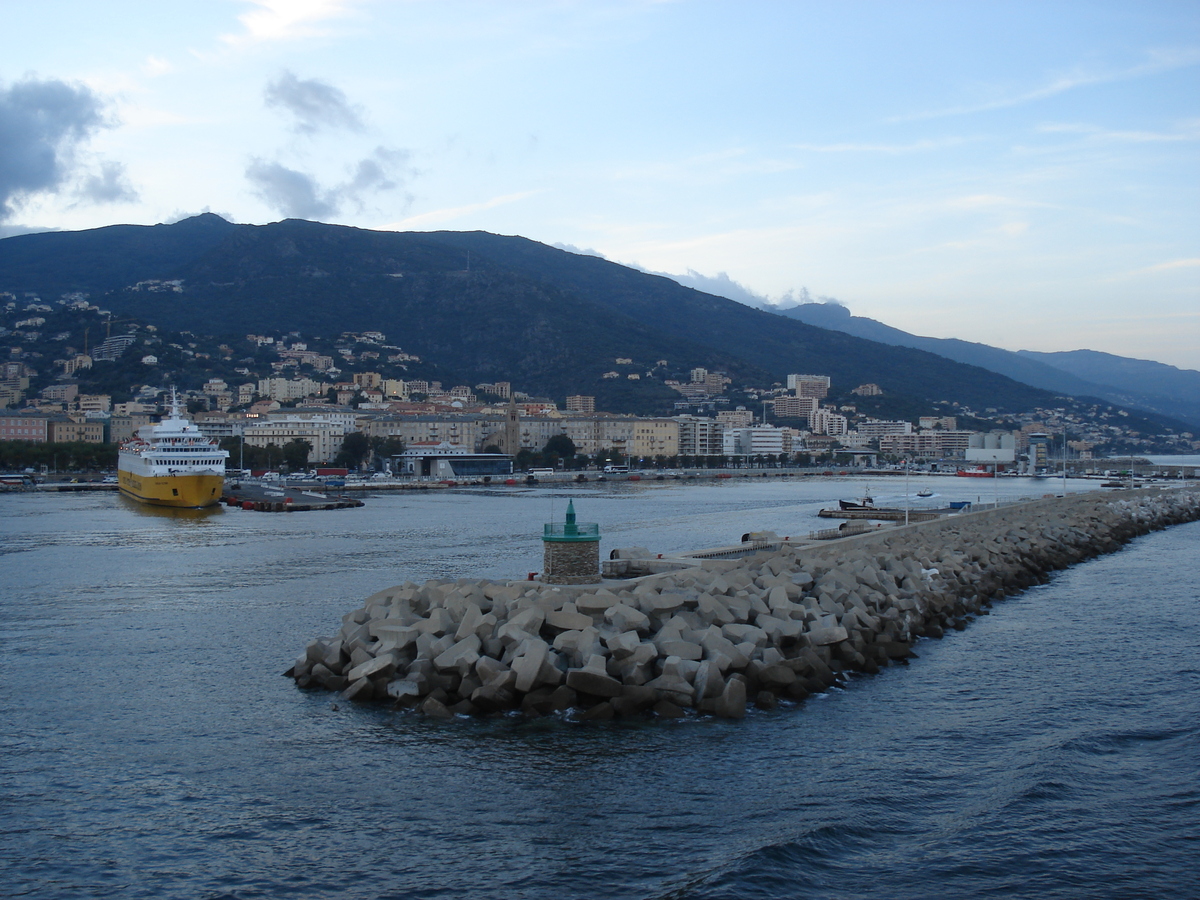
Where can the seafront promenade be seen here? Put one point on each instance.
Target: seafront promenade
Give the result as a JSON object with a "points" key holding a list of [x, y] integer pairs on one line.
{"points": [[779, 624]]}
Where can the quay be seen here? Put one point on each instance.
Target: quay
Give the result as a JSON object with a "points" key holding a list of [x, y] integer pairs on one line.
{"points": [[65, 487], [888, 514], [264, 497]]}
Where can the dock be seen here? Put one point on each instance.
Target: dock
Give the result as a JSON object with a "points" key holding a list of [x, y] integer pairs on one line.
{"points": [[887, 514], [284, 498]]}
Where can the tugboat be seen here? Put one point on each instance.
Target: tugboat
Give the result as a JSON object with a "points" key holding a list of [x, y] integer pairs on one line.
{"points": [[172, 464], [864, 503]]}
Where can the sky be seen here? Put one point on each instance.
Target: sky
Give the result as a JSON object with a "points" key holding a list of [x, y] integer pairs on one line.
{"points": [[1025, 175]]}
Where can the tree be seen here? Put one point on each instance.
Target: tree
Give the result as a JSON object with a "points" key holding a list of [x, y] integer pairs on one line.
{"points": [[355, 448], [526, 459], [561, 445], [295, 453], [385, 448]]}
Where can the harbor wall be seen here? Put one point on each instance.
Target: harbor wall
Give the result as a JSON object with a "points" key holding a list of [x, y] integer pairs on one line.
{"points": [[723, 635]]}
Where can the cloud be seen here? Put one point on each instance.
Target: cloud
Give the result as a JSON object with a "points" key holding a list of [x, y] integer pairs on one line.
{"points": [[299, 195], [284, 20], [914, 147], [314, 104], [440, 216], [1190, 263], [579, 251], [1158, 61], [43, 125], [293, 193], [375, 173], [13, 230], [1189, 131], [721, 285], [109, 185]]}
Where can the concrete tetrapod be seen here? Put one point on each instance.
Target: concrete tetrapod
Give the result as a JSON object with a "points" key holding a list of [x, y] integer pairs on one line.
{"points": [[775, 626]]}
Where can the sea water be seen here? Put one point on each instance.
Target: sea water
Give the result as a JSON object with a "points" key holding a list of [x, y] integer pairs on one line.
{"points": [[151, 747]]}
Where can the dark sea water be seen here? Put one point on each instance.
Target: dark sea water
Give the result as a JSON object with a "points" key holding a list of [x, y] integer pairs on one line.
{"points": [[151, 749]]}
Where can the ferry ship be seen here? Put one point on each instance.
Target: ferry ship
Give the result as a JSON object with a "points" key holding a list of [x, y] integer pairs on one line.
{"points": [[172, 464]]}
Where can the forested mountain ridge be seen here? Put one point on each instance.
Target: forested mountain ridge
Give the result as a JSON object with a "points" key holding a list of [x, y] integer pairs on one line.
{"points": [[478, 306]]}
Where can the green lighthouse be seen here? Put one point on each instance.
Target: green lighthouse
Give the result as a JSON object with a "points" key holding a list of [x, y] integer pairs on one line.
{"points": [[571, 551]]}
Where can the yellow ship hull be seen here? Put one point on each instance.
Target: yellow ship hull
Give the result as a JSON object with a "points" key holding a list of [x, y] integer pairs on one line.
{"points": [[191, 491]]}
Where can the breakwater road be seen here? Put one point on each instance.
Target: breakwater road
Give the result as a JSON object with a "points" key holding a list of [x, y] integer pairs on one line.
{"points": [[714, 638]]}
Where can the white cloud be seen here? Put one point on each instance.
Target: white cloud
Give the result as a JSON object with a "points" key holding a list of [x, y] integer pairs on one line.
{"points": [[914, 147], [450, 214], [156, 65], [287, 20], [1159, 61], [1189, 131]]}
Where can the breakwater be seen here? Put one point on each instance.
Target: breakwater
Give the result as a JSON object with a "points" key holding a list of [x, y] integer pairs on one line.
{"points": [[716, 637]]}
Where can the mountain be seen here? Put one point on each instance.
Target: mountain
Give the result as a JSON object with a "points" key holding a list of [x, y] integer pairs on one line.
{"points": [[105, 259], [1140, 384], [476, 307], [1143, 383]]}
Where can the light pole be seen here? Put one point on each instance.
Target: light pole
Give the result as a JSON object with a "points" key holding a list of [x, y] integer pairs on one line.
{"points": [[1064, 460], [906, 466]]}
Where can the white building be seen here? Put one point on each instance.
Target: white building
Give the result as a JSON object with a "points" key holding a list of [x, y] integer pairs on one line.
{"points": [[758, 440], [324, 437], [699, 437], [874, 428], [826, 421], [809, 385], [284, 389]]}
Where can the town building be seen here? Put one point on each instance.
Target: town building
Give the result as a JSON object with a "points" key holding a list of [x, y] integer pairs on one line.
{"points": [[324, 438], [123, 427], [24, 426], [579, 403], [445, 460], [874, 428], [815, 386], [735, 418], [285, 389], [758, 440], [795, 407], [929, 443], [652, 438], [699, 436], [68, 429], [826, 421]]}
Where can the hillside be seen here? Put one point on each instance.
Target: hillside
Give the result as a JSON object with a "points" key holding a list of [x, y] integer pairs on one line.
{"points": [[1140, 384], [475, 306]]}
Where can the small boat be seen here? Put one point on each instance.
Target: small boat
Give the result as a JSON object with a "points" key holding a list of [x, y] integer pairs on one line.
{"points": [[925, 492], [864, 503], [977, 472]]}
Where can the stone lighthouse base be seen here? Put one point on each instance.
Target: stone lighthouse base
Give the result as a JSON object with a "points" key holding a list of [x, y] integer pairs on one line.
{"points": [[573, 562]]}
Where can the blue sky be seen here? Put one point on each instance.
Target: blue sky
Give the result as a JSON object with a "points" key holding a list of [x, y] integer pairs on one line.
{"points": [[1022, 174]]}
